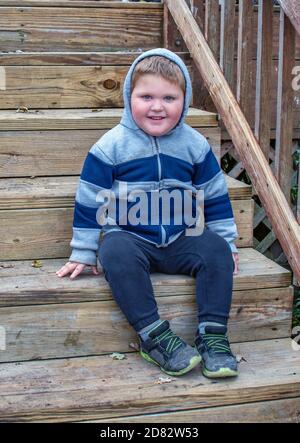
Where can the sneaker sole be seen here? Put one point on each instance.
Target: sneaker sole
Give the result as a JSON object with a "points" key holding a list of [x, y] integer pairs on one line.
{"points": [[193, 362], [221, 373]]}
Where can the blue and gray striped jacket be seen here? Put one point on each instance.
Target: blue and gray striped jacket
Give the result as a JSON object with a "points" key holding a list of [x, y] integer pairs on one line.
{"points": [[126, 155]]}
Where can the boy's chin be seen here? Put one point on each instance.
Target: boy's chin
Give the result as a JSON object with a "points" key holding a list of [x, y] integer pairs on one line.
{"points": [[157, 132]]}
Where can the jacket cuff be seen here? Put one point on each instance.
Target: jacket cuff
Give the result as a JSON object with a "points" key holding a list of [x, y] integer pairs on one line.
{"points": [[233, 247], [86, 257]]}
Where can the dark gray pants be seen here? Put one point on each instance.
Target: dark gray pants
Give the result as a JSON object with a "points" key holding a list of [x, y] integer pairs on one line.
{"points": [[128, 260]]}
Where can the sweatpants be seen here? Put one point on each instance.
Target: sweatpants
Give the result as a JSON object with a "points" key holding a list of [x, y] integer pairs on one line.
{"points": [[128, 261]]}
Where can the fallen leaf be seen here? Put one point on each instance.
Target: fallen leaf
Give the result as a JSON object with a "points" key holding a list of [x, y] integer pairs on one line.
{"points": [[163, 380], [22, 109], [117, 356], [7, 266], [37, 264]]}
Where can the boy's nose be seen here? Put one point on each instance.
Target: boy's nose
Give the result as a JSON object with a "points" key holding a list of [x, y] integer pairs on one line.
{"points": [[156, 105]]}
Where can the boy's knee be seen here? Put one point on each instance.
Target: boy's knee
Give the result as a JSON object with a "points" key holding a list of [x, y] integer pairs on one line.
{"points": [[118, 251]]}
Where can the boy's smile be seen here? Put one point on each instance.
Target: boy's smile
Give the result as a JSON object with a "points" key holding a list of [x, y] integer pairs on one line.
{"points": [[156, 104]]}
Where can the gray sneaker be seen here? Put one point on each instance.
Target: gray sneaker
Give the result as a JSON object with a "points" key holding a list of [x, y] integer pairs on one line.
{"points": [[168, 351], [217, 358]]}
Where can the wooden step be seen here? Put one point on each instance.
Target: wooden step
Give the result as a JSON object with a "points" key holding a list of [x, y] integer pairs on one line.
{"points": [[57, 192], [36, 216], [47, 317], [85, 26], [95, 388], [42, 143]]}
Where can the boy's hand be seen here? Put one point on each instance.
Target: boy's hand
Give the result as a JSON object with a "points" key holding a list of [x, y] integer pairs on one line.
{"points": [[235, 257], [74, 269]]}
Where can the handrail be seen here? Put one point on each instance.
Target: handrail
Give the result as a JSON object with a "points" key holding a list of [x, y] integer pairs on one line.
{"points": [[292, 10], [280, 214]]}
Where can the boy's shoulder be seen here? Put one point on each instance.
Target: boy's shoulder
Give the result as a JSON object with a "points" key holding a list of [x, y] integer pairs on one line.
{"points": [[194, 140], [107, 146]]}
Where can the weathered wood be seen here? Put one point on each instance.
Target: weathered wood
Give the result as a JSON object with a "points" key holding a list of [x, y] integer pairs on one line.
{"points": [[22, 284], [63, 87], [80, 3], [244, 57], [58, 192], [227, 40], [84, 119], [270, 194], [99, 387], [292, 10], [263, 75], [95, 328], [75, 58], [276, 411], [284, 126], [212, 26], [80, 29], [46, 233]]}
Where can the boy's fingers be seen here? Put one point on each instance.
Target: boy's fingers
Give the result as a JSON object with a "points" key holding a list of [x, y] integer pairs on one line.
{"points": [[95, 270], [66, 269], [77, 271]]}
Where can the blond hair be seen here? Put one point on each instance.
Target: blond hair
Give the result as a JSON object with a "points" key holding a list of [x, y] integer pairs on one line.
{"points": [[159, 65]]}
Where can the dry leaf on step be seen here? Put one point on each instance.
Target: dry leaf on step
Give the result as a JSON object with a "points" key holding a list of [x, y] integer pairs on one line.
{"points": [[22, 109], [117, 356], [163, 380], [240, 358], [37, 264]]}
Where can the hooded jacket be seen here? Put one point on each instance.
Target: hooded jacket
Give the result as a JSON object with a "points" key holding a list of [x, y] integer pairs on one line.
{"points": [[127, 160]]}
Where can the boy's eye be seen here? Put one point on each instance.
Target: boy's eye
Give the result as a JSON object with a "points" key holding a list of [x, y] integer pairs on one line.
{"points": [[146, 97]]}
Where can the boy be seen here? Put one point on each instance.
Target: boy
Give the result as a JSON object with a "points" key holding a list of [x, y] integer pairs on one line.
{"points": [[152, 151]]}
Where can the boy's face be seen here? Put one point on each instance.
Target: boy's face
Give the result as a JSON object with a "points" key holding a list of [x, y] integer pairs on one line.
{"points": [[156, 104]]}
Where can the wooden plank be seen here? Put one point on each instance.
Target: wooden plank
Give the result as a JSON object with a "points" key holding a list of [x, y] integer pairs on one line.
{"points": [[227, 40], [22, 284], [292, 10], [263, 75], [46, 233], [75, 58], [84, 119], [98, 387], [244, 57], [81, 4], [284, 126], [80, 29], [212, 26], [58, 192], [95, 328], [270, 194], [276, 411], [63, 87]]}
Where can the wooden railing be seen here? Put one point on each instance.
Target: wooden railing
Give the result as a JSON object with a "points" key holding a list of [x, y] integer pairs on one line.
{"points": [[273, 190]]}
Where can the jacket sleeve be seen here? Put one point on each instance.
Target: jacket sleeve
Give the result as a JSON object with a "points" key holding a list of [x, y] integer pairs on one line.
{"points": [[97, 174], [218, 215]]}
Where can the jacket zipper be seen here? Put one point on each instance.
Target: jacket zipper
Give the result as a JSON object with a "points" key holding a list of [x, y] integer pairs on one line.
{"points": [[163, 232]]}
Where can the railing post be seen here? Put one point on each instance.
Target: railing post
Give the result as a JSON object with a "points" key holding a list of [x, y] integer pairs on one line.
{"points": [[262, 128], [284, 124], [244, 57]]}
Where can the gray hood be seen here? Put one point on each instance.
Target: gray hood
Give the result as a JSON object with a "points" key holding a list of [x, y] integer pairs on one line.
{"points": [[127, 119]]}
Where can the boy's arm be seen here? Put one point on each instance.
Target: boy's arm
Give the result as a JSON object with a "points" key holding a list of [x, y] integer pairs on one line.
{"points": [[218, 214], [97, 174]]}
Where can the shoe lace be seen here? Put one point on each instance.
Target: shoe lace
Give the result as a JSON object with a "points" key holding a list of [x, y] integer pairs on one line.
{"points": [[169, 341], [217, 343]]}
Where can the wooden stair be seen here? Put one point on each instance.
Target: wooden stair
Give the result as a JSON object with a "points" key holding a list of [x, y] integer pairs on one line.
{"points": [[60, 334]]}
